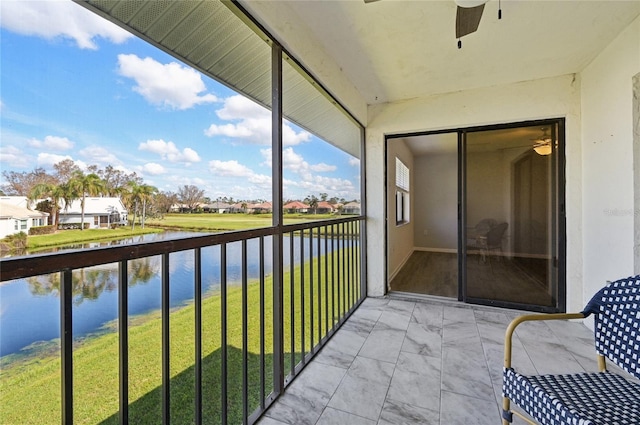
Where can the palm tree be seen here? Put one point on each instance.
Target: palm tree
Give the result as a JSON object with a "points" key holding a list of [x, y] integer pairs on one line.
{"points": [[82, 185], [313, 203], [139, 193], [55, 193]]}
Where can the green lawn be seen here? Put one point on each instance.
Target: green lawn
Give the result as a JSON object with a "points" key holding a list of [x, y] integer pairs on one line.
{"points": [[30, 390], [227, 222], [190, 222], [66, 237]]}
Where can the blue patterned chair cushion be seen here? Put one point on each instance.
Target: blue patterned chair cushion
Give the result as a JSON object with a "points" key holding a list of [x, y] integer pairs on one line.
{"points": [[582, 399], [616, 310]]}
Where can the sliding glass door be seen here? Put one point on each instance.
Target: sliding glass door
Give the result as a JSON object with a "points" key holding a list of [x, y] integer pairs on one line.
{"points": [[485, 222], [511, 216]]}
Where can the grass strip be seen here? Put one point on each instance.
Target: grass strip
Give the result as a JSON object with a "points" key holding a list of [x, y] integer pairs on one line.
{"points": [[30, 391], [66, 237], [228, 222]]}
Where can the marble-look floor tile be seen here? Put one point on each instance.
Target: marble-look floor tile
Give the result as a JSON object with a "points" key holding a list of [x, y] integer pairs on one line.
{"points": [[265, 420], [462, 409], [383, 344], [460, 333], [317, 382], [305, 399], [400, 362], [429, 315], [421, 339], [551, 358], [398, 413], [375, 303], [363, 389], [338, 417], [465, 371], [400, 306], [459, 314], [394, 320], [341, 349], [416, 381], [296, 409], [362, 324]]}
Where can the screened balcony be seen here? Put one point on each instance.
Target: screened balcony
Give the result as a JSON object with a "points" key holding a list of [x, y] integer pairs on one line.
{"points": [[296, 342], [242, 343], [313, 350]]}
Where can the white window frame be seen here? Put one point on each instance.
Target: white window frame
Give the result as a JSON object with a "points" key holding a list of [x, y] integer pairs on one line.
{"points": [[403, 193]]}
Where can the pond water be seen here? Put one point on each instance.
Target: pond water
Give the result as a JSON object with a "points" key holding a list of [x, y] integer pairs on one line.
{"points": [[30, 308]]}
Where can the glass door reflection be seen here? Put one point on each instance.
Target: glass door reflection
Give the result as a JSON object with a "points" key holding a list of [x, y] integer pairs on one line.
{"points": [[511, 216]]}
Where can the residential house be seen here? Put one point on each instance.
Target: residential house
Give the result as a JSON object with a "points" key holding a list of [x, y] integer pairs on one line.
{"points": [[260, 208], [98, 213], [15, 218], [217, 207], [296, 207], [324, 207], [351, 208]]}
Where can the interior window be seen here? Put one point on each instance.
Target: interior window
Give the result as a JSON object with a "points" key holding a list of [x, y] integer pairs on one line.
{"points": [[402, 192]]}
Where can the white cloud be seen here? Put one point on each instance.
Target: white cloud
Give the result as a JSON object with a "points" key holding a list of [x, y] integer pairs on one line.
{"points": [[323, 168], [51, 142], [296, 163], [171, 85], [253, 124], [59, 19], [333, 185], [238, 107], [169, 151], [229, 168], [354, 162], [49, 159], [153, 169], [261, 180], [99, 155], [14, 157]]}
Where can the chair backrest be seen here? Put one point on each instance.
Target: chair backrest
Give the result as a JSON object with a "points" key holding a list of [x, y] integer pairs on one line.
{"points": [[494, 236], [485, 225], [616, 310]]}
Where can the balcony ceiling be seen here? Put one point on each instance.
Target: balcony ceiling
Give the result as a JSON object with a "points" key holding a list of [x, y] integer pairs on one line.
{"points": [[393, 50]]}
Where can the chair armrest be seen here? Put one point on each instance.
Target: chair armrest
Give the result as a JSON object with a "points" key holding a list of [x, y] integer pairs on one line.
{"points": [[529, 318]]}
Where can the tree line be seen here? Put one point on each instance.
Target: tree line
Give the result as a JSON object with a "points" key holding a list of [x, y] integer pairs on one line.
{"points": [[68, 183], [52, 191]]}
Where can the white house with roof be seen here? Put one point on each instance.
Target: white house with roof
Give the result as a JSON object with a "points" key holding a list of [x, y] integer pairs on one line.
{"points": [[15, 218], [98, 212], [351, 208]]}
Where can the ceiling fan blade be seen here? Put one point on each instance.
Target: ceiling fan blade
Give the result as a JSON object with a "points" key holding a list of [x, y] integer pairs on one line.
{"points": [[468, 19], [370, 1]]}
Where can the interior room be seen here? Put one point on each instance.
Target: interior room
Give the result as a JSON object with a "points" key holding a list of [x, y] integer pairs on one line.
{"points": [[494, 177]]}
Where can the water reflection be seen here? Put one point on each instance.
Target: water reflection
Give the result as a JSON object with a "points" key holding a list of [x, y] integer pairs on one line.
{"points": [[30, 308], [89, 283]]}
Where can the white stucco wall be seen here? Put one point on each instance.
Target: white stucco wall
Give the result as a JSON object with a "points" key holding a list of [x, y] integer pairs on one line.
{"points": [[436, 201], [607, 160], [400, 237], [547, 98]]}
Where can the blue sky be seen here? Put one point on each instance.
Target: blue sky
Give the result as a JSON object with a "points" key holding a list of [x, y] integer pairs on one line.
{"points": [[75, 86]]}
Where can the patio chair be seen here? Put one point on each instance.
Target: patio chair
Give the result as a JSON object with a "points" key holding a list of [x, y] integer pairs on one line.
{"points": [[600, 398], [491, 241]]}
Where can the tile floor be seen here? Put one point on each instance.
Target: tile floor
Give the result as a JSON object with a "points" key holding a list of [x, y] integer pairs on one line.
{"points": [[398, 361]]}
